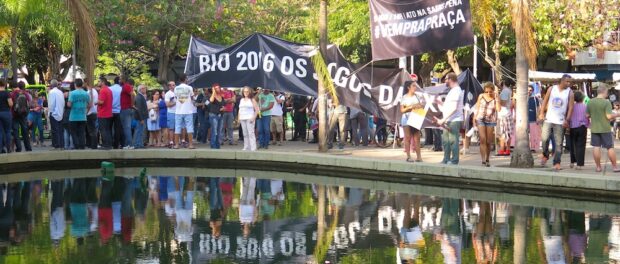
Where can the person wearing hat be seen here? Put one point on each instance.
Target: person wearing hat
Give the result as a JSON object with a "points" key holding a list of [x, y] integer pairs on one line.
{"points": [[556, 112]]}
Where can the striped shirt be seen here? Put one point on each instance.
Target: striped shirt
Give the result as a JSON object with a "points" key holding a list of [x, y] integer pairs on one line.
{"points": [[578, 117]]}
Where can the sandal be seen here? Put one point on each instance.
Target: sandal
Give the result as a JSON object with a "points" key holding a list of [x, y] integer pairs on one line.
{"points": [[488, 164], [409, 160], [175, 147], [191, 147], [599, 169], [484, 164], [419, 160]]}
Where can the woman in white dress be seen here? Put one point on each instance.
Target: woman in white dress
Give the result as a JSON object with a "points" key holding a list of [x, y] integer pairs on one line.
{"points": [[152, 123]]}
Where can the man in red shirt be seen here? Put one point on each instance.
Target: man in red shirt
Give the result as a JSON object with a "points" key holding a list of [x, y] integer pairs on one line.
{"points": [[227, 116], [104, 113], [127, 104]]}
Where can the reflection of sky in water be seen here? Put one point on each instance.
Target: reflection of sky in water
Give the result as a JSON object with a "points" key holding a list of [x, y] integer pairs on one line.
{"points": [[252, 220]]}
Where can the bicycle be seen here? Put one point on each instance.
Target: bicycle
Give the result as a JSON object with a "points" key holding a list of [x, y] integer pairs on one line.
{"points": [[385, 135]]}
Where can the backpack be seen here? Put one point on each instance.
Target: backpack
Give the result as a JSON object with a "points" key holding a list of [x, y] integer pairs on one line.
{"points": [[21, 105]]}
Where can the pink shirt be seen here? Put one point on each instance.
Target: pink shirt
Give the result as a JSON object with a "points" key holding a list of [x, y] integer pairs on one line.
{"points": [[228, 107], [578, 117]]}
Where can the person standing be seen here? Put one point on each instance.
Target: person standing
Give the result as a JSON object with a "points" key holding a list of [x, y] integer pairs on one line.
{"points": [[153, 120], [92, 140], [600, 114], [485, 120], [504, 118], [141, 114], [171, 104], [184, 115], [117, 122], [21, 108], [6, 103], [79, 102], [127, 110], [225, 129], [411, 101], [276, 125], [104, 113], [338, 118], [163, 120], [201, 106], [452, 110], [617, 120], [533, 108], [36, 118], [300, 118], [248, 111], [216, 104], [56, 109], [266, 101], [359, 127], [556, 112], [579, 124]]}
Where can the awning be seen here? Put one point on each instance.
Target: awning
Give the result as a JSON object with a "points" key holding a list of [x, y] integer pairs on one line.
{"points": [[551, 76], [616, 76]]}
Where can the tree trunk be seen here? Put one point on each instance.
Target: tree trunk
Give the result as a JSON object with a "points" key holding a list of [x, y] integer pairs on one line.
{"points": [[322, 111], [14, 65], [163, 57], [522, 156], [498, 62], [520, 235], [453, 61]]}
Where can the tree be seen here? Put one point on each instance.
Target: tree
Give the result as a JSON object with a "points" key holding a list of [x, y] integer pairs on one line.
{"points": [[491, 19], [525, 59], [323, 133], [566, 26], [520, 234]]}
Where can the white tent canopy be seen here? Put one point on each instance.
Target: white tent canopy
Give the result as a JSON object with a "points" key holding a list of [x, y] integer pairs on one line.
{"points": [[551, 76], [616, 76]]}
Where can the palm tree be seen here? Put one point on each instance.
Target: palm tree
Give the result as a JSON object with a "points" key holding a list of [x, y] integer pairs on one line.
{"points": [[88, 44], [322, 111], [526, 53], [520, 234]]}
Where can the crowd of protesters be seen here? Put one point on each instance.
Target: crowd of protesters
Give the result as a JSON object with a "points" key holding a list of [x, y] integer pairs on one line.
{"points": [[115, 115]]}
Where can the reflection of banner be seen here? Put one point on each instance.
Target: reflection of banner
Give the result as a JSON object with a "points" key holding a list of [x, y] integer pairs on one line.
{"points": [[256, 61], [407, 27]]}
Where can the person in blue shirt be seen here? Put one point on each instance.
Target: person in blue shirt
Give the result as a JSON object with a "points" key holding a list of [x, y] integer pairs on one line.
{"points": [[79, 102]]}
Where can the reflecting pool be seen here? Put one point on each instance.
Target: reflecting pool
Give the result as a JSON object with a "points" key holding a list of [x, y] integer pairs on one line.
{"points": [[248, 218]]}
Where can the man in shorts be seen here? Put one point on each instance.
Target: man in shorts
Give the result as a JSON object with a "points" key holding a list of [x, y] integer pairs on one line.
{"points": [[170, 100], [600, 113], [184, 114], [277, 128]]}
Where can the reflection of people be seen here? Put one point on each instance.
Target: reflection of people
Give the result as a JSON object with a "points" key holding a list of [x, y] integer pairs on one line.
{"points": [[78, 209], [451, 241], [7, 217], [484, 236], [551, 230], [216, 207], [184, 207], [57, 211], [577, 239], [597, 249], [247, 205]]}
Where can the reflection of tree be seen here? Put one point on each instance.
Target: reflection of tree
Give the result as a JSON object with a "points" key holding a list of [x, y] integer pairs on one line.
{"points": [[324, 237], [520, 234]]}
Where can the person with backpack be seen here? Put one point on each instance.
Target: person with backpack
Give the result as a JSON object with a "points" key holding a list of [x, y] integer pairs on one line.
{"points": [[6, 103], [20, 111]]}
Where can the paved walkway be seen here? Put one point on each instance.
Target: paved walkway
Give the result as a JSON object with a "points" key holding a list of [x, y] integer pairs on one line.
{"points": [[429, 156]]}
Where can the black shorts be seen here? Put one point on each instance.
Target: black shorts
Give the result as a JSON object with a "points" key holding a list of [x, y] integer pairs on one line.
{"points": [[603, 140]]}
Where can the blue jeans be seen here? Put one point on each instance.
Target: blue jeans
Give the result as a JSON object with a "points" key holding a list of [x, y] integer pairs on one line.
{"points": [[67, 138], [264, 133], [214, 120], [5, 130], [451, 143], [37, 123], [138, 135], [555, 132], [126, 117]]}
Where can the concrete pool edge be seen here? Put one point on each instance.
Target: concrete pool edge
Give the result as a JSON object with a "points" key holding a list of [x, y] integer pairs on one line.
{"points": [[525, 181]]}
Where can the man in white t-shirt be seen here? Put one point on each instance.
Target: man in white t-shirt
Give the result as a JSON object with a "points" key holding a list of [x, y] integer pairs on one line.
{"points": [[504, 118], [184, 112], [452, 120], [91, 119], [277, 128], [170, 100]]}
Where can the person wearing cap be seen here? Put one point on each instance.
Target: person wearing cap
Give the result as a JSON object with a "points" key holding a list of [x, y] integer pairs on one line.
{"points": [[556, 112]]}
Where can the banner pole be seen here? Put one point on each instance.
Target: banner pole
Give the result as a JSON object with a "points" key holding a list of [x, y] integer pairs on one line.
{"points": [[475, 57]]}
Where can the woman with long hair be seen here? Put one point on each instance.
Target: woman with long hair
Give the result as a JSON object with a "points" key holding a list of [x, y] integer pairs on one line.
{"points": [[248, 111], [411, 101], [215, 114], [579, 124], [153, 120], [486, 120]]}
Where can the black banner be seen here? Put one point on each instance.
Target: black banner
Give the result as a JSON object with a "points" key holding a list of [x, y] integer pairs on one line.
{"points": [[256, 61], [377, 91], [407, 27]]}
